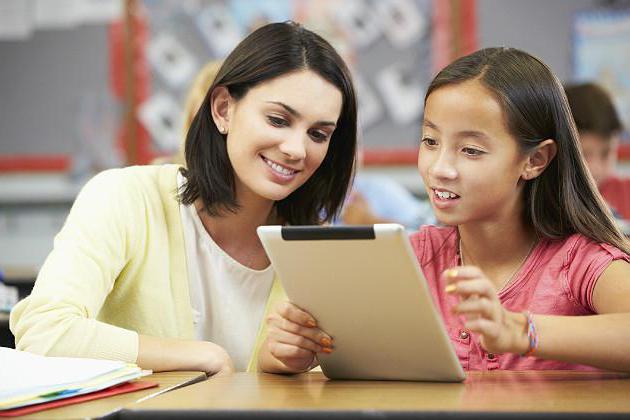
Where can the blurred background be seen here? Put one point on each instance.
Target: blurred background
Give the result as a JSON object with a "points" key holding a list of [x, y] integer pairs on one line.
{"points": [[87, 85]]}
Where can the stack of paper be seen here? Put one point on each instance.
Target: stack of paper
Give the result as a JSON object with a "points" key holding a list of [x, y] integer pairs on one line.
{"points": [[27, 379]]}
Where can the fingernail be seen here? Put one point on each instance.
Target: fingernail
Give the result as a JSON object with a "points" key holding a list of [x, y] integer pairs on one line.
{"points": [[451, 273], [325, 341], [311, 323], [327, 350], [450, 288]]}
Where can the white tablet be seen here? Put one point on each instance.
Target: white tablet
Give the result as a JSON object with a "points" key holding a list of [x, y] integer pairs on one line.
{"points": [[364, 286]]}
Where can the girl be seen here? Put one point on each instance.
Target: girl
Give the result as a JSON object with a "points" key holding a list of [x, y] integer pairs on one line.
{"points": [[529, 248], [170, 280]]}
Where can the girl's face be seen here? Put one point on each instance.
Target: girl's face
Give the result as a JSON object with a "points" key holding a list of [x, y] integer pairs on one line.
{"points": [[279, 132], [470, 164]]}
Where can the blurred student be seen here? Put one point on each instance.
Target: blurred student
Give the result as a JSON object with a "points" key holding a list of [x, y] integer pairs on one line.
{"points": [[599, 129], [530, 271], [161, 265], [380, 199]]}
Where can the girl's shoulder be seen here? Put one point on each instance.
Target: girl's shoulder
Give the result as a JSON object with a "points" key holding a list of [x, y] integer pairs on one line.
{"points": [[578, 248], [431, 237]]}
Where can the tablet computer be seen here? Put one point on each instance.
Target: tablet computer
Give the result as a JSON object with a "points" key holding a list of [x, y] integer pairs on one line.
{"points": [[365, 287]]}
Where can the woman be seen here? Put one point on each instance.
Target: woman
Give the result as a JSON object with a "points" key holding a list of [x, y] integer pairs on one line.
{"points": [[174, 281]]}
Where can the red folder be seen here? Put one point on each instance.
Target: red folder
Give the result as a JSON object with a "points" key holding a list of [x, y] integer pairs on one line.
{"points": [[115, 390]]}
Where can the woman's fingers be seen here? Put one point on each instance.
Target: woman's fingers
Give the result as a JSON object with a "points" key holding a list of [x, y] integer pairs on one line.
{"points": [[296, 315], [285, 337], [292, 325], [283, 351]]}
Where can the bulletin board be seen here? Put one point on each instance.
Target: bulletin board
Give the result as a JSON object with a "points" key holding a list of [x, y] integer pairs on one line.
{"points": [[102, 82], [393, 47], [601, 53]]}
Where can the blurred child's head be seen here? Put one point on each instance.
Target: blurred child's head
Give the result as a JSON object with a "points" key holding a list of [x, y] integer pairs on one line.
{"points": [[598, 127], [561, 198]]}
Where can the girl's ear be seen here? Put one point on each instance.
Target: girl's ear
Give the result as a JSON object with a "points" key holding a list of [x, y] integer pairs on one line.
{"points": [[539, 159], [221, 106]]}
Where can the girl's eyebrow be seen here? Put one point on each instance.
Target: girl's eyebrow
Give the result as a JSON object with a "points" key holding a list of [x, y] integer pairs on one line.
{"points": [[429, 124], [296, 114], [465, 133]]}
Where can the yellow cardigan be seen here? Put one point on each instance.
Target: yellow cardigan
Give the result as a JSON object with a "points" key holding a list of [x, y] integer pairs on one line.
{"points": [[117, 269]]}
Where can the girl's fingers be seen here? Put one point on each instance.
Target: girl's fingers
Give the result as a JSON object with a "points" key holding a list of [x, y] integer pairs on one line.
{"points": [[481, 287], [482, 306], [464, 272], [485, 327]]}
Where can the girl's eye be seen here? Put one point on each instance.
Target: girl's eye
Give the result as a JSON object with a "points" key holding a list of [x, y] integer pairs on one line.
{"points": [[318, 136], [469, 151], [277, 121], [429, 141]]}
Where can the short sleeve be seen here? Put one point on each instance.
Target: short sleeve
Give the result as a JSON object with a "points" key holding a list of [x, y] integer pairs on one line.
{"points": [[586, 261]]}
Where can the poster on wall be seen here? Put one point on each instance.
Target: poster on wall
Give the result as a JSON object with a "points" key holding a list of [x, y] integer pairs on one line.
{"points": [[601, 53]]}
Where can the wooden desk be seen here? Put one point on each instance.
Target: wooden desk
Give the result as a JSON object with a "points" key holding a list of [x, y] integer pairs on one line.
{"points": [[97, 408], [507, 392]]}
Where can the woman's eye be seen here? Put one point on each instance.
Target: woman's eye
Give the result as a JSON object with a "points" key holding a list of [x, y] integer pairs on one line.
{"points": [[429, 141], [277, 121], [472, 152], [318, 136]]}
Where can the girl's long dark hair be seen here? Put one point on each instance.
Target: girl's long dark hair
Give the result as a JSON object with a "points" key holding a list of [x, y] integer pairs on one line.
{"points": [[564, 199], [269, 52]]}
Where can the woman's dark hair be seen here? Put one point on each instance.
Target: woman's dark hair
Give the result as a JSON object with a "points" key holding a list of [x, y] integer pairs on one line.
{"points": [[269, 52], [593, 110], [563, 199]]}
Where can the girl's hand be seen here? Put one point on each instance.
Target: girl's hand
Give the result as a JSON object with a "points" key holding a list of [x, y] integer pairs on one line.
{"points": [[500, 330], [294, 339]]}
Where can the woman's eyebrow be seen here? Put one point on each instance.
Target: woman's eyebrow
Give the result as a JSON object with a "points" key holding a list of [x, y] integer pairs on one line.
{"points": [[296, 114]]}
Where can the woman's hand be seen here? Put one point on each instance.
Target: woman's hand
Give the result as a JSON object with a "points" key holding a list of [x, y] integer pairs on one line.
{"points": [[500, 330], [293, 338], [215, 360], [165, 354]]}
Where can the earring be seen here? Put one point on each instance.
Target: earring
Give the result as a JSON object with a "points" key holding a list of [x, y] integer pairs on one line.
{"points": [[222, 130]]}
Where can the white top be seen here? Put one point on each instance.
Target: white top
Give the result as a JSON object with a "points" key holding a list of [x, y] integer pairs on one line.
{"points": [[228, 299]]}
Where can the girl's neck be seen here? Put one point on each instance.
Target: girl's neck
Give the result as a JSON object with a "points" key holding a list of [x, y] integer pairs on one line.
{"points": [[499, 250]]}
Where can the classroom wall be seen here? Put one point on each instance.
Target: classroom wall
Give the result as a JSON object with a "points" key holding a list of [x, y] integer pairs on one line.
{"points": [[540, 27], [49, 82]]}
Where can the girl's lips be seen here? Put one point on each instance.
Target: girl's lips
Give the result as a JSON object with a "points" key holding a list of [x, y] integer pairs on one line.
{"points": [[444, 199]]}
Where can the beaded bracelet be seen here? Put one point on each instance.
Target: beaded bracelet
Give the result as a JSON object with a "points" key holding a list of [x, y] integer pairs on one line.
{"points": [[532, 335]]}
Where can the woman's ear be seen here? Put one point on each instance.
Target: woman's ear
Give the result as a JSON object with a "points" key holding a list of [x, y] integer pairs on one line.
{"points": [[220, 107], [539, 158]]}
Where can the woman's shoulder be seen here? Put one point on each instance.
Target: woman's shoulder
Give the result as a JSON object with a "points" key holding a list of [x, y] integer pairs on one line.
{"points": [[135, 179]]}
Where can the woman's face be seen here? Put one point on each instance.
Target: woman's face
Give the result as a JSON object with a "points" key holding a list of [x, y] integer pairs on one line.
{"points": [[279, 133], [470, 164]]}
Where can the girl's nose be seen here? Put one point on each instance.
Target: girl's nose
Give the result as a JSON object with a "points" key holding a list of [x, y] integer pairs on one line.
{"points": [[443, 167]]}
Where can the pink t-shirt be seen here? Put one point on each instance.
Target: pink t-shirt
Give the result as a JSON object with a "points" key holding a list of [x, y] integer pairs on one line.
{"points": [[557, 278]]}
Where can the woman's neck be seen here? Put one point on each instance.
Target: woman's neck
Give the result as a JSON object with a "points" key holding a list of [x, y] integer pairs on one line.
{"points": [[235, 233]]}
